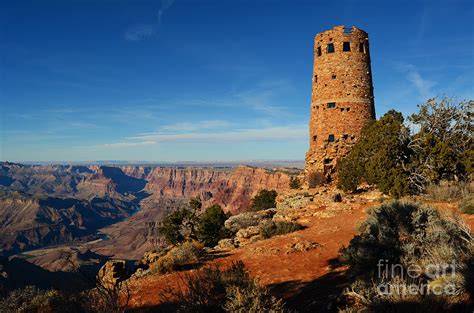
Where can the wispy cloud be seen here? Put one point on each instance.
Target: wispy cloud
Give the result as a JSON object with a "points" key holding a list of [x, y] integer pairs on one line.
{"points": [[422, 85], [188, 126], [129, 144], [143, 31], [290, 132], [140, 32]]}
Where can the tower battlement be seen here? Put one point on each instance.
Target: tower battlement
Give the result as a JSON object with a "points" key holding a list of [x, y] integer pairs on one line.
{"points": [[342, 101]]}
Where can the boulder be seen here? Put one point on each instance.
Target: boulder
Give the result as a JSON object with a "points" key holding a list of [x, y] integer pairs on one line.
{"points": [[247, 219], [248, 232]]}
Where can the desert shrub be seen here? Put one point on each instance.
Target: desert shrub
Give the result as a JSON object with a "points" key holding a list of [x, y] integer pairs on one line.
{"points": [[270, 228], [449, 190], [180, 225], [444, 143], [230, 290], [265, 199], [397, 237], [211, 226], [187, 253], [31, 299], [400, 163], [379, 157], [467, 205], [405, 233], [316, 179], [295, 182]]}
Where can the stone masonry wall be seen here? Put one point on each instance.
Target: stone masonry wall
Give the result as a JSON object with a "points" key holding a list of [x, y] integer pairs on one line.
{"points": [[342, 100]]}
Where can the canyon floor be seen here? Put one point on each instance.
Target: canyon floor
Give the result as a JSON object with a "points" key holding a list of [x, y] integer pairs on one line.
{"points": [[306, 280]]}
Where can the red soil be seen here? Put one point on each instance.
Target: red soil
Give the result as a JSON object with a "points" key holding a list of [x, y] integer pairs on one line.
{"points": [[304, 279]]}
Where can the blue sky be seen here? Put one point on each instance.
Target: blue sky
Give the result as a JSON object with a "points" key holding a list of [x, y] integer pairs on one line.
{"points": [[205, 80]]}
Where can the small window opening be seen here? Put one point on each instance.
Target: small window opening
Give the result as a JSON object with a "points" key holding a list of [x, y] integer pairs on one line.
{"points": [[315, 78], [345, 136], [342, 109], [317, 107], [331, 105], [348, 109], [330, 48], [319, 51], [327, 161], [361, 47], [346, 46], [333, 76], [331, 138], [315, 137]]}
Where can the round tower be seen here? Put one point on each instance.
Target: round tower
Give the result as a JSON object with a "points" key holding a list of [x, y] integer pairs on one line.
{"points": [[342, 101]]}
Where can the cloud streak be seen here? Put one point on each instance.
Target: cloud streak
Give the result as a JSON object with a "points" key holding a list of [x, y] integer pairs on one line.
{"points": [[143, 31], [422, 86], [278, 133]]}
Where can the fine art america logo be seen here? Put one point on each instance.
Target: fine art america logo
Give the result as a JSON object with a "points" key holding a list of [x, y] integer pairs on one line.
{"points": [[415, 279]]}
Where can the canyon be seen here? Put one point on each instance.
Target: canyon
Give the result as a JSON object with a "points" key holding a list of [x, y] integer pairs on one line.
{"points": [[112, 210]]}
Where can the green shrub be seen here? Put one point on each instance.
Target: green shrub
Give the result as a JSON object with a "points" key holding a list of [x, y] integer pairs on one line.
{"points": [[316, 179], [270, 228], [265, 199], [405, 236], [449, 190], [31, 299], [295, 182], [405, 233], [183, 254], [211, 226], [467, 205], [378, 158], [180, 225], [229, 290]]}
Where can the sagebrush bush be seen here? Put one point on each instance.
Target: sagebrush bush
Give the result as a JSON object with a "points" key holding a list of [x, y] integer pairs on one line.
{"points": [[270, 228], [316, 179], [405, 233], [467, 205], [403, 236], [230, 290], [449, 191], [31, 300], [183, 254]]}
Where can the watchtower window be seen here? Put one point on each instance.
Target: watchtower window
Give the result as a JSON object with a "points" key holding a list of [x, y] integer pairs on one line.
{"points": [[331, 138], [330, 48], [346, 46], [361, 47], [315, 137], [319, 51], [348, 109], [342, 109], [331, 105], [333, 77], [315, 78]]}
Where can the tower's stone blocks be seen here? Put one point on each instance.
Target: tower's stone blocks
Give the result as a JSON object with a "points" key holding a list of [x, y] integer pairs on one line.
{"points": [[342, 100]]}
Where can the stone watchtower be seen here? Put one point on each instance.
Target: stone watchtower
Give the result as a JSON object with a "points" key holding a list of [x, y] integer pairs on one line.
{"points": [[342, 101]]}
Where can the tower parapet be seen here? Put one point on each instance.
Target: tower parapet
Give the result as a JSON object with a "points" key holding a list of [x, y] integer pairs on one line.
{"points": [[342, 101]]}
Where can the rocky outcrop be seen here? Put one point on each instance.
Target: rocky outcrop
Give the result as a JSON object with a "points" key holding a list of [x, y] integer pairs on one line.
{"points": [[248, 219], [112, 273]]}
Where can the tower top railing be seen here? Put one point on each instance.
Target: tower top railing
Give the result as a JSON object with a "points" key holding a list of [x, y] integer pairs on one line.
{"points": [[347, 31]]}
